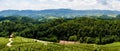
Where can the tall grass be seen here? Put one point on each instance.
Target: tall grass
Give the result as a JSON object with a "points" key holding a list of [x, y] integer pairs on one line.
{"points": [[3, 42]]}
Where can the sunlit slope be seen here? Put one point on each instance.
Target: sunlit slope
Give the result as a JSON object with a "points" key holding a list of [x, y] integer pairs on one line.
{"points": [[26, 44]]}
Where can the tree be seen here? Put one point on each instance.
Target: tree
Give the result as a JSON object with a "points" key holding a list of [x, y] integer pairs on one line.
{"points": [[118, 16], [73, 38]]}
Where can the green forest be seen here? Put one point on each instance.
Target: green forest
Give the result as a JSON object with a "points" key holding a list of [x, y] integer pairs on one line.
{"points": [[83, 29]]}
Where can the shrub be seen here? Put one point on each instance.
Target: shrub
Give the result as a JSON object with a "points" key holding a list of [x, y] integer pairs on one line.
{"points": [[52, 39], [73, 38], [90, 40]]}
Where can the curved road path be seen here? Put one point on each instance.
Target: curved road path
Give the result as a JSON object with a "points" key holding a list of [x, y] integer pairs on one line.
{"points": [[9, 43]]}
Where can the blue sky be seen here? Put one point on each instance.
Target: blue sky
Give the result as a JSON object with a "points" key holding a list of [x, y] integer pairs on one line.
{"points": [[57, 4]]}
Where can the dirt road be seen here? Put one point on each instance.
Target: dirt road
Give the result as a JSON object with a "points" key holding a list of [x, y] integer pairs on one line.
{"points": [[9, 43]]}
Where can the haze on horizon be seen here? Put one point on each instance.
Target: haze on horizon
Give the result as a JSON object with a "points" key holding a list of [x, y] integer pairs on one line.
{"points": [[58, 4]]}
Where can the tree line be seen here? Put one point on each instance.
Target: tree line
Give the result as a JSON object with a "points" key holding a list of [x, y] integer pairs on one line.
{"points": [[84, 29]]}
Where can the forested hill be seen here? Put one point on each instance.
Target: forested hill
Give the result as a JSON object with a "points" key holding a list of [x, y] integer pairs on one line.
{"points": [[56, 12], [84, 30]]}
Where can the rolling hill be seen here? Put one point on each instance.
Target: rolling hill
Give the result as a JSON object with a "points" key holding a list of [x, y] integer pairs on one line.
{"points": [[67, 13]]}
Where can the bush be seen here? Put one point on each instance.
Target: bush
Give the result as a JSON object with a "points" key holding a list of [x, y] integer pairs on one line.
{"points": [[52, 39], [108, 40], [90, 40], [4, 34], [81, 40], [73, 38], [97, 41]]}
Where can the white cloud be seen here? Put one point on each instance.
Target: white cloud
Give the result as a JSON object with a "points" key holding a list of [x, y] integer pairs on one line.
{"points": [[56, 4], [114, 5]]}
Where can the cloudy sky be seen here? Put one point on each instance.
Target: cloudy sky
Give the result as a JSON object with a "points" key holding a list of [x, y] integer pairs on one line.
{"points": [[57, 4]]}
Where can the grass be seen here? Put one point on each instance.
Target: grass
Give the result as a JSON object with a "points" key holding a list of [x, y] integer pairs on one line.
{"points": [[3, 42], [21, 40], [111, 47], [26, 44]]}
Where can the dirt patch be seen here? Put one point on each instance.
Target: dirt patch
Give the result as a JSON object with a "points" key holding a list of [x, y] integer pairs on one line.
{"points": [[68, 42]]}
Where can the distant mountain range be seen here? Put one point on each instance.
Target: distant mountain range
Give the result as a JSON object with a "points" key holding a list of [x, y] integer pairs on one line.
{"points": [[56, 13]]}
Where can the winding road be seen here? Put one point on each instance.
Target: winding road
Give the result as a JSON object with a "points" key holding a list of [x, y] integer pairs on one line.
{"points": [[9, 43]]}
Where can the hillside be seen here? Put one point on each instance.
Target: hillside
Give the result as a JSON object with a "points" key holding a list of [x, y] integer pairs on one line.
{"points": [[26, 44], [83, 29], [66, 13], [92, 34]]}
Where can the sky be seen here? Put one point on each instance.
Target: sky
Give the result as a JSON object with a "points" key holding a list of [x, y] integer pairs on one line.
{"points": [[59, 4]]}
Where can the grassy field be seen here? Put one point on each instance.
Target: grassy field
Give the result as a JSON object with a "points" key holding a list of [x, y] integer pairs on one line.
{"points": [[3, 42], [26, 44], [110, 47]]}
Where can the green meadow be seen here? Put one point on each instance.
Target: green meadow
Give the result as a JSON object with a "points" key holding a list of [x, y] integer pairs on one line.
{"points": [[26, 44]]}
